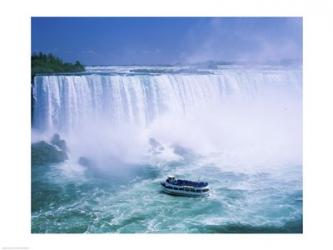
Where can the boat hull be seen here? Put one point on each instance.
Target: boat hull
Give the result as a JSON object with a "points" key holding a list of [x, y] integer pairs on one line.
{"points": [[172, 191]]}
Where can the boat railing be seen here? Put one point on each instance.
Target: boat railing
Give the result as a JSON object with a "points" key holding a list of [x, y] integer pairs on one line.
{"points": [[186, 188], [187, 183]]}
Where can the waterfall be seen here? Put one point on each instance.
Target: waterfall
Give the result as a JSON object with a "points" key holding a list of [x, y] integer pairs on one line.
{"points": [[66, 102]]}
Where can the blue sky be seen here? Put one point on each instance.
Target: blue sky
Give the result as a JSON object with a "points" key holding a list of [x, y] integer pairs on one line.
{"points": [[157, 40]]}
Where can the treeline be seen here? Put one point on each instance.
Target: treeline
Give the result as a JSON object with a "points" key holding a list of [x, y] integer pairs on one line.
{"points": [[47, 63]]}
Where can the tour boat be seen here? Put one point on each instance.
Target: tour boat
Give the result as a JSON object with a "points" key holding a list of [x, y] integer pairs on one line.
{"points": [[184, 187]]}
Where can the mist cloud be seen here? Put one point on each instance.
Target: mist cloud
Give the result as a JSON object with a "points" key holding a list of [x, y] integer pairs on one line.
{"points": [[246, 40]]}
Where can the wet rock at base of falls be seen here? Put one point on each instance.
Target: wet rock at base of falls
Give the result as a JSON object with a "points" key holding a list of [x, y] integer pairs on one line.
{"points": [[183, 151], [155, 146], [57, 141], [86, 162], [43, 153]]}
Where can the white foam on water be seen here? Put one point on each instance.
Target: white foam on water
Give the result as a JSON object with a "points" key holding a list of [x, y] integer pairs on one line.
{"points": [[251, 116], [239, 128]]}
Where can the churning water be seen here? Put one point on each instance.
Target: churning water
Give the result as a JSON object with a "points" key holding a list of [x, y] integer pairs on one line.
{"points": [[237, 127]]}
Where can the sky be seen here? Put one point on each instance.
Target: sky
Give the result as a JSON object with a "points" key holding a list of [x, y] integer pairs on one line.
{"points": [[168, 40]]}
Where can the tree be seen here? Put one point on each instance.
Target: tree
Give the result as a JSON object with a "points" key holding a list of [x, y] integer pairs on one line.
{"points": [[48, 63]]}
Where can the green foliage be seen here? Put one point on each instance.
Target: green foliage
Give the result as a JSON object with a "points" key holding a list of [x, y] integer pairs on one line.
{"points": [[47, 63]]}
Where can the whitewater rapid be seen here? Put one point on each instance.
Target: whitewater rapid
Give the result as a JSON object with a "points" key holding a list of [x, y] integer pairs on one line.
{"points": [[237, 127]]}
